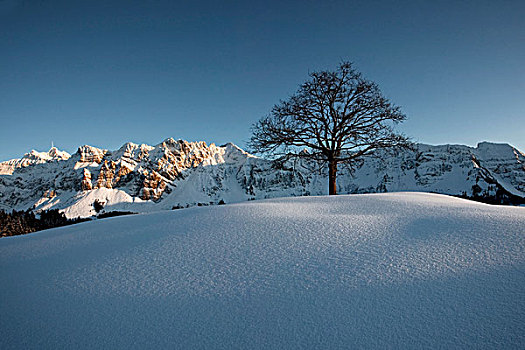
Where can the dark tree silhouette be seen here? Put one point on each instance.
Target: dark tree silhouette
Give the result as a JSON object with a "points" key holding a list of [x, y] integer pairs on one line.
{"points": [[21, 222], [98, 206], [338, 115]]}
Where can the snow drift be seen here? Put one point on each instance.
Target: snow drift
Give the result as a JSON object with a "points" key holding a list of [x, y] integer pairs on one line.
{"points": [[402, 270]]}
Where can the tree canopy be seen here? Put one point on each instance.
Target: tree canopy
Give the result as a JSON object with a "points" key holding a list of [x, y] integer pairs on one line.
{"points": [[338, 116]]}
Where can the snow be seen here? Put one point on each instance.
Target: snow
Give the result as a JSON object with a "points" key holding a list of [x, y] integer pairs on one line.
{"points": [[112, 200], [31, 158], [400, 270]]}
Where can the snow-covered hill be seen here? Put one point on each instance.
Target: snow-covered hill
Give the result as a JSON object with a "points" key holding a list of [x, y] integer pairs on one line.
{"points": [[397, 270], [177, 173]]}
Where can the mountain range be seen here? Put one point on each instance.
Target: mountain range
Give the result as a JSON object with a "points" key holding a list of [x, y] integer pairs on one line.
{"points": [[178, 173]]}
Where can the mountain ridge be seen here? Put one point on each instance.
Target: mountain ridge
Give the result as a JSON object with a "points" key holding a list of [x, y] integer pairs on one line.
{"points": [[178, 173]]}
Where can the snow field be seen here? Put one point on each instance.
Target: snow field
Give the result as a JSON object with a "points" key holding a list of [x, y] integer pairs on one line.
{"points": [[400, 270]]}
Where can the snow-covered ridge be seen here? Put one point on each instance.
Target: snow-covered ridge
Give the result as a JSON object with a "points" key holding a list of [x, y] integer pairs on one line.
{"points": [[177, 173], [31, 158]]}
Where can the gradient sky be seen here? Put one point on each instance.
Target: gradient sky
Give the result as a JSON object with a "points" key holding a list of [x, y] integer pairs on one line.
{"points": [[107, 72]]}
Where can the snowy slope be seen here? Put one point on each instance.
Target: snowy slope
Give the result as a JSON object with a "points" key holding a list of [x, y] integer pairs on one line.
{"points": [[400, 270], [177, 173]]}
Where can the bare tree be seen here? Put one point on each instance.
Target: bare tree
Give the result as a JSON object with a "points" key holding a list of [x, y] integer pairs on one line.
{"points": [[338, 116]]}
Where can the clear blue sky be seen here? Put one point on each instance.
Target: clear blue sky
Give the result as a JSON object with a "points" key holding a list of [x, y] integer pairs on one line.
{"points": [[107, 72]]}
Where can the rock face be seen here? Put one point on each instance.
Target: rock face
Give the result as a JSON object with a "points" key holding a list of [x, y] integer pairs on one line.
{"points": [[177, 173], [89, 155], [86, 181]]}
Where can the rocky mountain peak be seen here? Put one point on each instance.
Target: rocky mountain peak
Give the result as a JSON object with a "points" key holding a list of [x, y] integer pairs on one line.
{"points": [[55, 153], [90, 154], [32, 158], [490, 150]]}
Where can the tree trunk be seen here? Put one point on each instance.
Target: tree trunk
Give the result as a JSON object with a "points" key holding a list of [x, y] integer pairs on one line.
{"points": [[332, 174]]}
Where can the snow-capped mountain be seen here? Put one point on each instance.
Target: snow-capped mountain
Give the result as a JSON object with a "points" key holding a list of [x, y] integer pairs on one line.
{"points": [[33, 157], [177, 173]]}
